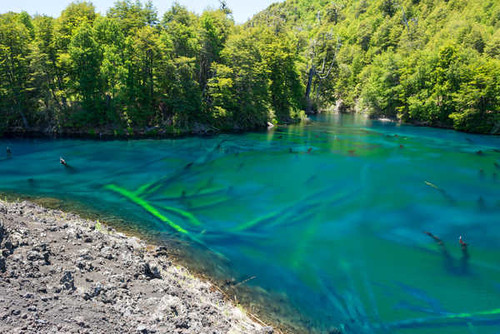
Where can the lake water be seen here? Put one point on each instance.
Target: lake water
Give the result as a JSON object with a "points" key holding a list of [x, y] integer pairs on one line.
{"points": [[329, 217]]}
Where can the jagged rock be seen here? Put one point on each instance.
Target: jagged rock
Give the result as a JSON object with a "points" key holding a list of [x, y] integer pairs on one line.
{"points": [[107, 253], [122, 286], [85, 266], [266, 330], [67, 281], [143, 329], [34, 256], [93, 292], [161, 251], [85, 254], [147, 270], [2, 232], [341, 107], [152, 271], [80, 321]]}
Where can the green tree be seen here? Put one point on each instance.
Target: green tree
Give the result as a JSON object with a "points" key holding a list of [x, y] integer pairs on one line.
{"points": [[238, 94], [86, 59], [133, 15], [72, 17], [113, 71], [143, 55], [15, 91], [427, 62], [381, 91], [181, 25], [478, 99], [214, 31], [286, 89]]}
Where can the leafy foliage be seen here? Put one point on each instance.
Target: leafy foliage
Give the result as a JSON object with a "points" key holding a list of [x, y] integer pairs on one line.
{"points": [[432, 62], [130, 71]]}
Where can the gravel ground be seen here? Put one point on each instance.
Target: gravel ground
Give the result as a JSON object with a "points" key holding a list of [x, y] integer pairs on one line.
{"points": [[60, 273]]}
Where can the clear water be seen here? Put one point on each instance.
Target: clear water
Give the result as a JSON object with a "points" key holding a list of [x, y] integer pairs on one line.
{"points": [[329, 215]]}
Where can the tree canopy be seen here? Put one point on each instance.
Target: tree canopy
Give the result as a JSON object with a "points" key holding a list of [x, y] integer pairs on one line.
{"points": [[130, 70], [432, 62]]}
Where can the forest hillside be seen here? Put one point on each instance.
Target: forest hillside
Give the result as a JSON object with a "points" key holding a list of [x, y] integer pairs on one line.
{"points": [[130, 71], [430, 62]]}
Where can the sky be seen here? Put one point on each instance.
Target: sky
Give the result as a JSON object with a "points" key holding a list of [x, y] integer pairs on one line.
{"points": [[242, 9]]}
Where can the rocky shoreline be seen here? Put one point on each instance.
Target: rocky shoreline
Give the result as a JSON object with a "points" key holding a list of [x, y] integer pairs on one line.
{"points": [[60, 273], [110, 133]]}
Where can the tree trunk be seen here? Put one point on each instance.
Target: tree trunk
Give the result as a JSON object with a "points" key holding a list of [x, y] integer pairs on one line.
{"points": [[23, 117], [312, 73]]}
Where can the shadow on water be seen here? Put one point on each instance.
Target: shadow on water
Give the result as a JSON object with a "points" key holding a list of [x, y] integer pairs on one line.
{"points": [[318, 228]]}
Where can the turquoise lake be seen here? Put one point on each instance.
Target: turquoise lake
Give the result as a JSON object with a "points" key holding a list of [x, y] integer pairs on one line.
{"points": [[328, 217]]}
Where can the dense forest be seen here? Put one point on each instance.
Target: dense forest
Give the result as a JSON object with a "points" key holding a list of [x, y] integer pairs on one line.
{"points": [[430, 62]]}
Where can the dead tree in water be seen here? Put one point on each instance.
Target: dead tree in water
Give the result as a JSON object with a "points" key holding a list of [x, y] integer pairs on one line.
{"points": [[449, 261]]}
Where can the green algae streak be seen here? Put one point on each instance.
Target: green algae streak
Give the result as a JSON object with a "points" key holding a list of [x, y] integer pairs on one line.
{"points": [[146, 206], [334, 237]]}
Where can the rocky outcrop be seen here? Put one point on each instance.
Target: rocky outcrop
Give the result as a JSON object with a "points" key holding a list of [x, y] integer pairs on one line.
{"points": [[60, 273]]}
